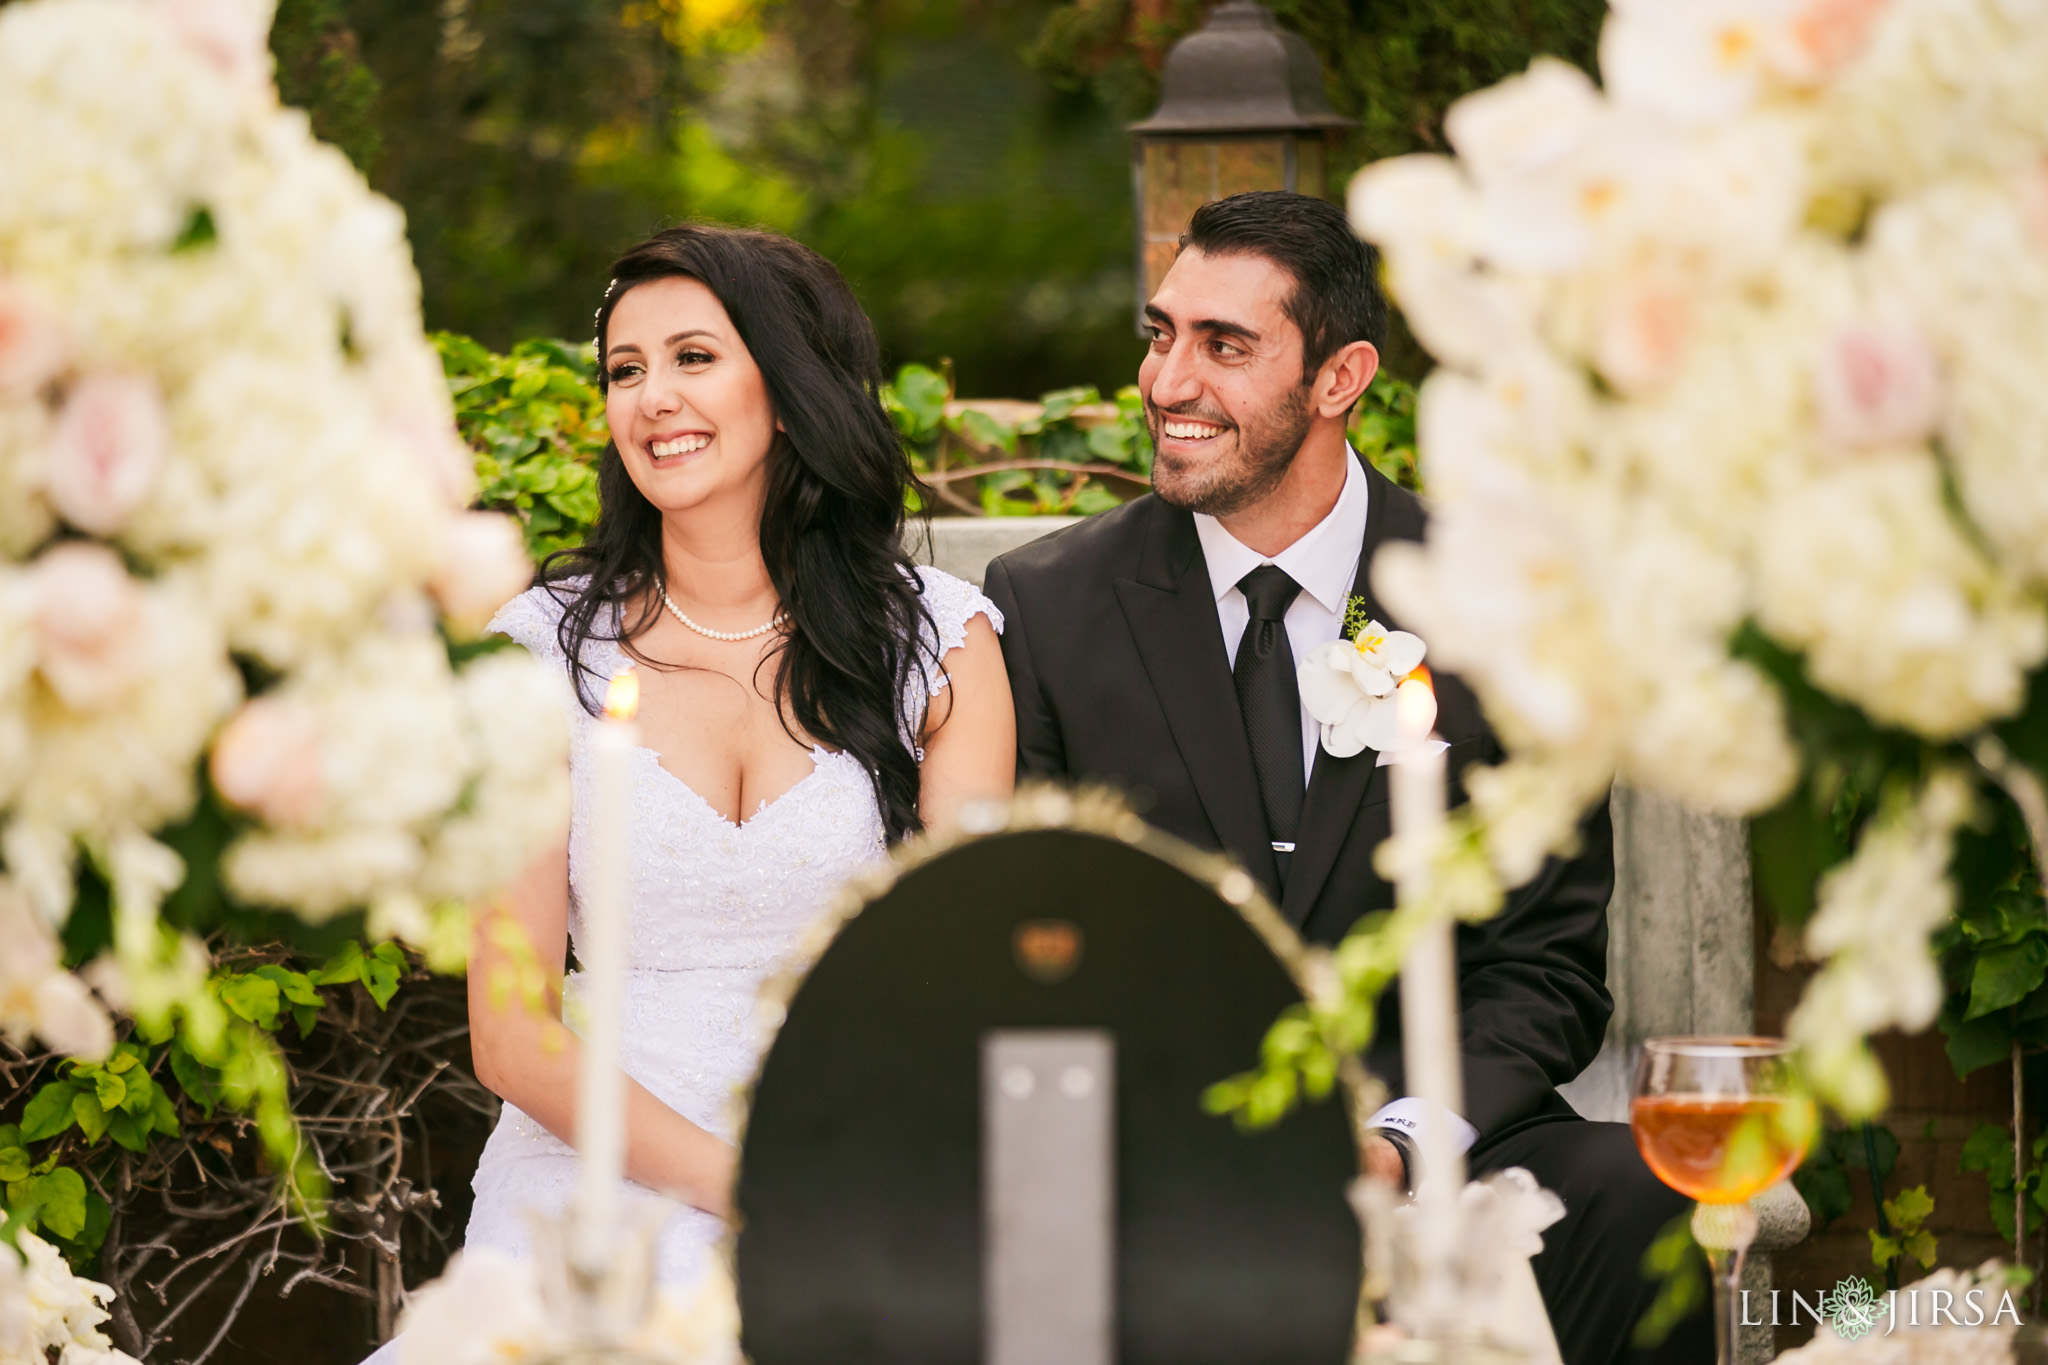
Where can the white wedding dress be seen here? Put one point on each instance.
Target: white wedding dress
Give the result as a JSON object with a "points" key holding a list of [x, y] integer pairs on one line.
{"points": [[716, 908]]}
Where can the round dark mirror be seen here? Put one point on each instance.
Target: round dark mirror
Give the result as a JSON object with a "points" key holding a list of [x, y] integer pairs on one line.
{"points": [[903, 1172]]}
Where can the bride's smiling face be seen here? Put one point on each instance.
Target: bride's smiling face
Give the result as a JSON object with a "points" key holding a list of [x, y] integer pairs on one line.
{"points": [[686, 403]]}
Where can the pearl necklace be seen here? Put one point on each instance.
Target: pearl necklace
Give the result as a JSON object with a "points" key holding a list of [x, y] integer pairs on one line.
{"points": [[706, 631]]}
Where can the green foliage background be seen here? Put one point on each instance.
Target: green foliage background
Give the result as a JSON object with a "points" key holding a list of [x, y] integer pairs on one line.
{"points": [[980, 214], [535, 422], [963, 161]]}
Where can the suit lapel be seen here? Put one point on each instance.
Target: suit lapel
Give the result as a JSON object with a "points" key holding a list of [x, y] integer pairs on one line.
{"points": [[1338, 786], [1171, 608]]}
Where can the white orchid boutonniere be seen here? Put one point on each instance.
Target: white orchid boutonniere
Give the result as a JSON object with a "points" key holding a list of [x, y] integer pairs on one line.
{"points": [[1368, 689]]}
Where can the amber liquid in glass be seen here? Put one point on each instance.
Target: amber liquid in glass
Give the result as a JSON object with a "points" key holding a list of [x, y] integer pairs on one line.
{"points": [[1721, 1149]]}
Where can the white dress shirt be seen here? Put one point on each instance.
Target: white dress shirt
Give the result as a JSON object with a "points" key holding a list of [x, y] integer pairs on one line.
{"points": [[1324, 562]]}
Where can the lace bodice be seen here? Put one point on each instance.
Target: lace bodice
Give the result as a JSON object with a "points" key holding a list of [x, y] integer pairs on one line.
{"points": [[707, 892], [715, 908]]}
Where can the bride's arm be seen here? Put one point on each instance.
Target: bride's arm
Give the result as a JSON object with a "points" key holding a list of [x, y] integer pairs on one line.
{"points": [[970, 738], [529, 1059]]}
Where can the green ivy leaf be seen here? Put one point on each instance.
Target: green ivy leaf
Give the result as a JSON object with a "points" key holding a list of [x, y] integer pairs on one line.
{"points": [[49, 1112], [1823, 1184], [92, 1120], [380, 979], [142, 1093], [253, 998], [2006, 976], [99, 1216], [979, 427], [110, 1090], [345, 966], [56, 1201], [129, 1131], [163, 1114], [1989, 1149], [14, 1163], [199, 1082], [295, 987], [1975, 1043], [917, 401], [1910, 1207]]}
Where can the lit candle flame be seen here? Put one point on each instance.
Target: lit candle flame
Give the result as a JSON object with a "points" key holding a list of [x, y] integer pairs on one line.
{"points": [[1415, 703], [622, 698]]}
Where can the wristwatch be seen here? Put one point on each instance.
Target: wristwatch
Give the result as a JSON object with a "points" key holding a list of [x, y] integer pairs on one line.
{"points": [[1404, 1147]]}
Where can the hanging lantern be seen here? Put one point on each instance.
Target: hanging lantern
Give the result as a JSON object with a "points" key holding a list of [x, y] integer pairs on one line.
{"points": [[1241, 107]]}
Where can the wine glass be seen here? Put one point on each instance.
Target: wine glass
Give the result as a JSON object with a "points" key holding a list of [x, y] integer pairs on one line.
{"points": [[1720, 1120]]}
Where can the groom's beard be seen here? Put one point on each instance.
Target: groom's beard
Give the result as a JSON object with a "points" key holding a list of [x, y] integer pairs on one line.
{"points": [[1255, 459]]}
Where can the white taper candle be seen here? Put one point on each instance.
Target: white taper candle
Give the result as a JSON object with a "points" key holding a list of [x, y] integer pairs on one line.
{"points": [[1429, 1017], [601, 951]]}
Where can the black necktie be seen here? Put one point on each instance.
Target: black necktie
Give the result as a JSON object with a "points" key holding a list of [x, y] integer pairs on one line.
{"points": [[1271, 701]]}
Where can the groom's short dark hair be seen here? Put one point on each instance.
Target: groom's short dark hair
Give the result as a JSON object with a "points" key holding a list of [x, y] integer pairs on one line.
{"points": [[1336, 298]]}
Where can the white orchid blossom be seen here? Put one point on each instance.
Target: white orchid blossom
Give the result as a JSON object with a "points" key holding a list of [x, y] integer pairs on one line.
{"points": [[1369, 692]]}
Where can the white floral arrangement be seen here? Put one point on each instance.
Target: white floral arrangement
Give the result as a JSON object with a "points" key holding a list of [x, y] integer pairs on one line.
{"points": [[1742, 358], [233, 536], [489, 1308], [46, 1308]]}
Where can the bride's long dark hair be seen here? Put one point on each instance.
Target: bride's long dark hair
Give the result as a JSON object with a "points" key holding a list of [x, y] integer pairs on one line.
{"points": [[832, 529]]}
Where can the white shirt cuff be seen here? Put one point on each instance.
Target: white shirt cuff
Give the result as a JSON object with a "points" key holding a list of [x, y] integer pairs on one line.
{"points": [[1409, 1114]]}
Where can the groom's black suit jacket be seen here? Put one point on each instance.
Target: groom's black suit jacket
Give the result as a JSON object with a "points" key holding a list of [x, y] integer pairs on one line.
{"points": [[1117, 664]]}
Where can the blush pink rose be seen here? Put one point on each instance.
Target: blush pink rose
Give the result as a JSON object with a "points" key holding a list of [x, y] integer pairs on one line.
{"points": [[1876, 384], [448, 463], [110, 443], [33, 347], [90, 624], [1822, 37], [1644, 331], [2031, 185], [232, 35], [267, 761], [483, 566]]}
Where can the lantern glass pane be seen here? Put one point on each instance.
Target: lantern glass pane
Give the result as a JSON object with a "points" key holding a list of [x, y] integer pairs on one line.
{"points": [[1250, 165], [1308, 166], [1182, 174]]}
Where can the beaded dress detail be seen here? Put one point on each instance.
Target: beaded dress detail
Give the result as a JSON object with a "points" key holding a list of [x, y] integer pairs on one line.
{"points": [[716, 908]]}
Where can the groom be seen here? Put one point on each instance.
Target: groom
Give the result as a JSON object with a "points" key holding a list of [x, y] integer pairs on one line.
{"points": [[1154, 648]]}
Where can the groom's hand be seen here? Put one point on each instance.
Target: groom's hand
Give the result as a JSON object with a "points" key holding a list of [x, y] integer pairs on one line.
{"points": [[1383, 1162]]}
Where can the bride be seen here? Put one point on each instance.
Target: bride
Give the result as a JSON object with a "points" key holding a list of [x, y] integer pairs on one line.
{"points": [[807, 698]]}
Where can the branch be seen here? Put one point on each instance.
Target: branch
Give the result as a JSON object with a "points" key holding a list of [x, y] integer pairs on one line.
{"points": [[975, 471]]}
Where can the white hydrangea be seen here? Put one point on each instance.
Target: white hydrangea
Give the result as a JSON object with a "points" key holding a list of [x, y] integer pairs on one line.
{"points": [[37, 996], [489, 1308], [227, 454], [45, 1308], [520, 777], [1748, 335], [117, 746], [1870, 931], [1864, 570], [1945, 88]]}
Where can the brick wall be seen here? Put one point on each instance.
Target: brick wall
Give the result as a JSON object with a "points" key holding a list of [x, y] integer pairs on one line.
{"points": [[1931, 1113]]}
